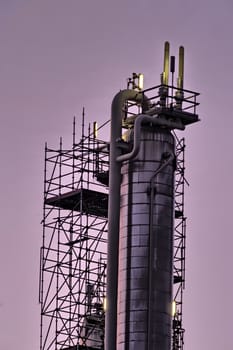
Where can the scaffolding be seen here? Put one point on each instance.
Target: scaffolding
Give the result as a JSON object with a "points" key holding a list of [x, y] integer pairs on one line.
{"points": [[179, 247], [73, 252], [74, 248]]}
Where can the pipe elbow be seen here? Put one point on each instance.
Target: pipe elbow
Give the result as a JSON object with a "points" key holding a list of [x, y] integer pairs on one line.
{"points": [[122, 96]]}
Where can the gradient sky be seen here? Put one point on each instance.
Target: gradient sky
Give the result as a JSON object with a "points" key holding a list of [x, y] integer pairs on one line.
{"points": [[60, 55]]}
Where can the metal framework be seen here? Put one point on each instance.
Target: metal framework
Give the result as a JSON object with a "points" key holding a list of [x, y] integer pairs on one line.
{"points": [[73, 253], [179, 247]]}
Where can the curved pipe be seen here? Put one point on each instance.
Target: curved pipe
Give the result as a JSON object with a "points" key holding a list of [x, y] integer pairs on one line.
{"points": [[137, 133], [114, 210]]}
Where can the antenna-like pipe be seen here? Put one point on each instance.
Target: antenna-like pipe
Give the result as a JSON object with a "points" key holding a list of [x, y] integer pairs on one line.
{"points": [[163, 91], [114, 210], [180, 80], [166, 63]]}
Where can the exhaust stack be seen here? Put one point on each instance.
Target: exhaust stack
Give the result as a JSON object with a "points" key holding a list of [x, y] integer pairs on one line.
{"points": [[180, 80], [165, 74]]}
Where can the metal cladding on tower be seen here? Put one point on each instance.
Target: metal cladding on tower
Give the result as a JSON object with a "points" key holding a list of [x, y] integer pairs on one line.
{"points": [[141, 211], [146, 243]]}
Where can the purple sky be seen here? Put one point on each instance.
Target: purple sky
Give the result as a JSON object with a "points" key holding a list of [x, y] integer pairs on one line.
{"points": [[60, 55]]}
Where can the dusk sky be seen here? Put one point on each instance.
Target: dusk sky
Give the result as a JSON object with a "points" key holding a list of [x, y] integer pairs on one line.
{"points": [[60, 55]]}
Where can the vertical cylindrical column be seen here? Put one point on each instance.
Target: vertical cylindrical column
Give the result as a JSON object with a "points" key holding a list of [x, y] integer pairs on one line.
{"points": [[146, 245], [118, 105]]}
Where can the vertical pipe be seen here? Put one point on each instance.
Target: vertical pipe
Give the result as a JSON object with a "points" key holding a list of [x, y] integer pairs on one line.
{"points": [[114, 210], [166, 63], [163, 91], [180, 80], [73, 154], [42, 257], [181, 68]]}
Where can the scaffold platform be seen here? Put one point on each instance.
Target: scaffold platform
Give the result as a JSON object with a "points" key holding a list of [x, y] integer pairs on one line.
{"points": [[88, 201]]}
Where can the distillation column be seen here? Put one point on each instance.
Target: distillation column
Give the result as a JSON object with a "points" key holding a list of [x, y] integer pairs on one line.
{"points": [[146, 244], [141, 215]]}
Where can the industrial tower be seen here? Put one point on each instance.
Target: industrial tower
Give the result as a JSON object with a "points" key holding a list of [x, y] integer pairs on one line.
{"points": [[113, 253]]}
